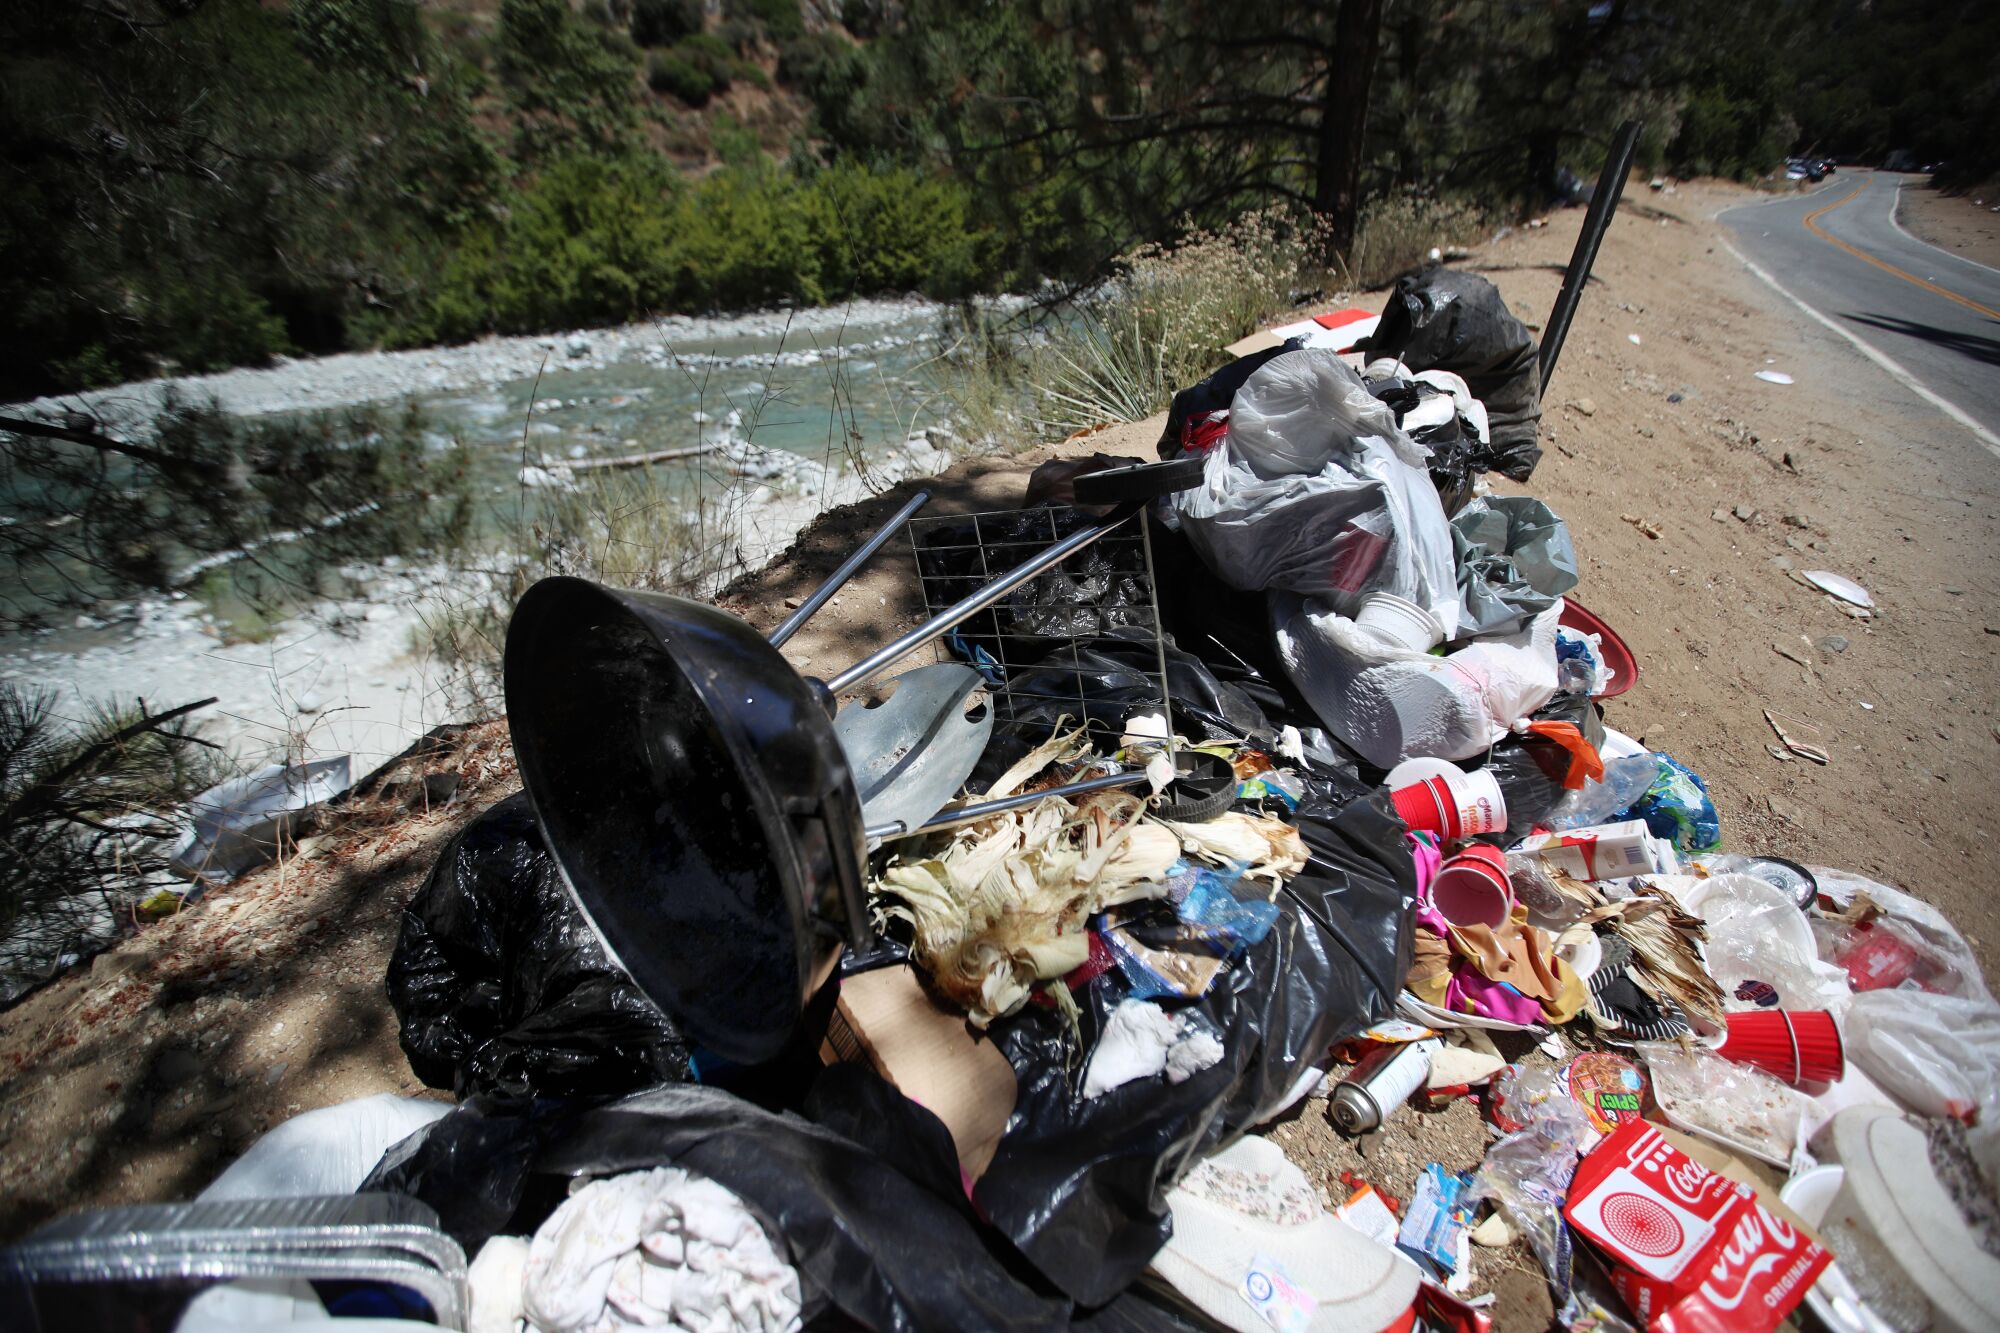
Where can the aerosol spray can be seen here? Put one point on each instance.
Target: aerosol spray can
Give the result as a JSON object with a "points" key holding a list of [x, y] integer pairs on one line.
{"points": [[1383, 1080]]}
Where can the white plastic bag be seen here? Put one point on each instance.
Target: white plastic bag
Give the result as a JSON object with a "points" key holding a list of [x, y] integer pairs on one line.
{"points": [[239, 824], [1301, 410], [1938, 1054], [328, 1151], [1951, 966], [1393, 704], [1366, 518]]}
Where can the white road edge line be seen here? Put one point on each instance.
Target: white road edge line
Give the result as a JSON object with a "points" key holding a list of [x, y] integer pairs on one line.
{"points": [[1897, 207], [1987, 438]]}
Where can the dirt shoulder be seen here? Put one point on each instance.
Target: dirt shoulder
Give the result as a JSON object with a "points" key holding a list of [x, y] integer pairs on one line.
{"points": [[1963, 223], [140, 1077]]}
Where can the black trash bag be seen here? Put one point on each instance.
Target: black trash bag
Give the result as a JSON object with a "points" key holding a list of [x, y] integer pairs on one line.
{"points": [[1079, 1185], [1515, 561], [1213, 699], [1530, 770], [501, 986], [1213, 394], [1445, 319], [884, 1237], [1085, 595]]}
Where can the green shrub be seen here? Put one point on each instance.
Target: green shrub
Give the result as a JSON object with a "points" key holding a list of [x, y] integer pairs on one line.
{"points": [[664, 22], [213, 322], [595, 240], [668, 73], [706, 48], [1398, 231], [568, 78], [694, 69], [1120, 353], [781, 18]]}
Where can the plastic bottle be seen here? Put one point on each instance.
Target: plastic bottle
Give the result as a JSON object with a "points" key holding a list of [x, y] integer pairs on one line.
{"points": [[1602, 802]]}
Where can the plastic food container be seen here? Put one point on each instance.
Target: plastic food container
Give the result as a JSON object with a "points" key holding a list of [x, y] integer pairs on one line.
{"points": [[1400, 622]]}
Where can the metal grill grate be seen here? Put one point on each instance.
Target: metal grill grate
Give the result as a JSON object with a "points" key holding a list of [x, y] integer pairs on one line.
{"points": [[1030, 645]]}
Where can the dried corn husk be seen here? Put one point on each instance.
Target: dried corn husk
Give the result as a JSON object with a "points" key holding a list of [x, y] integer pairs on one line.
{"points": [[1666, 952], [1002, 904], [1271, 847]]}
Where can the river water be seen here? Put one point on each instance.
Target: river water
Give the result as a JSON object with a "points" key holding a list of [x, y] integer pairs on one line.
{"points": [[791, 395]]}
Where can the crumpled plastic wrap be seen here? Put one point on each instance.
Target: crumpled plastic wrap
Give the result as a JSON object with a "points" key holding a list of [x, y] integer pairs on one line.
{"points": [[500, 985], [1515, 561], [1933, 956], [1366, 519], [1527, 1174], [1737, 1105]]}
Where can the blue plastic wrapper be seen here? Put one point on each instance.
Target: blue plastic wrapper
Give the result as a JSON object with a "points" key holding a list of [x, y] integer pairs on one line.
{"points": [[1677, 807], [1164, 960]]}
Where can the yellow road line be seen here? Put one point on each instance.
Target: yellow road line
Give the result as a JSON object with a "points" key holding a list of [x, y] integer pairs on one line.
{"points": [[1849, 197]]}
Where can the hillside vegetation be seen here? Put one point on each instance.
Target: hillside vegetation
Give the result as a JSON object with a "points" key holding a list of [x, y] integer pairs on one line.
{"points": [[197, 183]]}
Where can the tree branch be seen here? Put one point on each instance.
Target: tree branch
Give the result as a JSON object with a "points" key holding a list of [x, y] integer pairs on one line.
{"points": [[103, 443], [43, 795]]}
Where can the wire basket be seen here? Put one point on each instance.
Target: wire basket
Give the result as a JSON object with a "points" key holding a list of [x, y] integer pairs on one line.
{"points": [[1082, 641]]}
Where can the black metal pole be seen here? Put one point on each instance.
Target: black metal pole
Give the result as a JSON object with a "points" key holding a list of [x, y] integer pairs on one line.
{"points": [[1596, 221]]}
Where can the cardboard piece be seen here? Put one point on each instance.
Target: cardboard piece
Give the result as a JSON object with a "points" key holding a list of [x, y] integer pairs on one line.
{"points": [[1255, 342], [930, 1054], [1338, 329], [1695, 1241]]}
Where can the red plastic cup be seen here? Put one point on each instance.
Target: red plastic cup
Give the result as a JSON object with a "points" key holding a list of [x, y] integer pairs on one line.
{"points": [[1453, 804], [1797, 1045], [1471, 888], [1428, 807]]}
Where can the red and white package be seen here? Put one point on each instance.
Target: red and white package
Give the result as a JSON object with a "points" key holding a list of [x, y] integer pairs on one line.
{"points": [[1692, 1249]]}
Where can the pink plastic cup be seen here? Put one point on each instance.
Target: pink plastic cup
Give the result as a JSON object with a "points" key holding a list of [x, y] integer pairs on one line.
{"points": [[1471, 888]]}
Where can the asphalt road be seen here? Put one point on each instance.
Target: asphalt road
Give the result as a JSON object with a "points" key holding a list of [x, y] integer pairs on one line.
{"points": [[1936, 315]]}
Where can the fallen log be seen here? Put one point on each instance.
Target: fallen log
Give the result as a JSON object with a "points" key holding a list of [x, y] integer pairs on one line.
{"points": [[639, 460]]}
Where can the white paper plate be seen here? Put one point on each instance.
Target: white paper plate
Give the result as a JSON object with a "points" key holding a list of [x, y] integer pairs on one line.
{"points": [[1846, 589]]}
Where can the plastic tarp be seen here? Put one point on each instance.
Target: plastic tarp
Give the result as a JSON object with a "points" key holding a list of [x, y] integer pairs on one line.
{"points": [[239, 824], [1515, 561], [500, 985], [1079, 1183], [1314, 490], [1445, 319]]}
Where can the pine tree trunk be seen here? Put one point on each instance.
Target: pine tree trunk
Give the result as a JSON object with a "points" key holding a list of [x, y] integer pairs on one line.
{"points": [[1357, 37]]}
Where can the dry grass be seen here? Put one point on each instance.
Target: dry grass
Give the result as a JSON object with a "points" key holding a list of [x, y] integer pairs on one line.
{"points": [[1397, 232], [1121, 352]]}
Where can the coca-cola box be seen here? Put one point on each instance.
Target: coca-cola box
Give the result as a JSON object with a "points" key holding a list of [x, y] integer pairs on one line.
{"points": [[1696, 1243]]}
